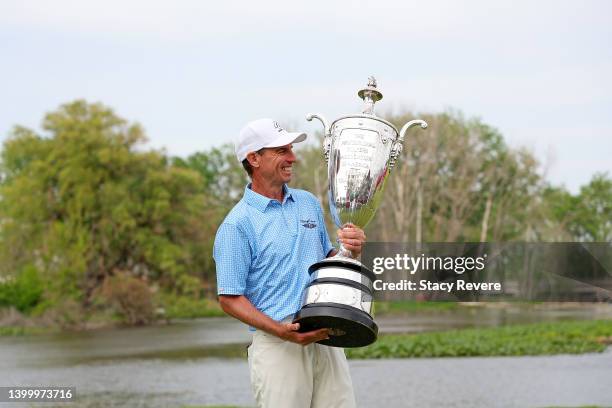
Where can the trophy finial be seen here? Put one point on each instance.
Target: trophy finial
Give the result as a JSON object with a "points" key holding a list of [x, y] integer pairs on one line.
{"points": [[370, 95]]}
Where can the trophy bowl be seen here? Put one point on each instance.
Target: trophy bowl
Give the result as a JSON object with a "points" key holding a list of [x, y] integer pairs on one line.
{"points": [[339, 297], [360, 151]]}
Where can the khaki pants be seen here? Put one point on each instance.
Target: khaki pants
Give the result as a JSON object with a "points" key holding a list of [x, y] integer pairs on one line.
{"points": [[286, 374]]}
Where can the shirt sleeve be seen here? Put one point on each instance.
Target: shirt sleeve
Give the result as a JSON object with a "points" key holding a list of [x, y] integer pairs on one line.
{"points": [[325, 242], [232, 256]]}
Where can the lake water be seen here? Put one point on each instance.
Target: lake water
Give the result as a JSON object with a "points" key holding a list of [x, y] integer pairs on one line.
{"points": [[198, 362]]}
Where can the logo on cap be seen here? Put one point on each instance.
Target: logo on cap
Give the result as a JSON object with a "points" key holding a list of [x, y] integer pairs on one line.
{"points": [[277, 126]]}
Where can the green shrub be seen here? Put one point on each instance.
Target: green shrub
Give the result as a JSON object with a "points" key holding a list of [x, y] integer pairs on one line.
{"points": [[24, 291], [21, 331], [184, 307], [520, 340], [131, 298]]}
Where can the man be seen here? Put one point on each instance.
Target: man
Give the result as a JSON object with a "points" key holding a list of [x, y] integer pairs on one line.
{"points": [[262, 251]]}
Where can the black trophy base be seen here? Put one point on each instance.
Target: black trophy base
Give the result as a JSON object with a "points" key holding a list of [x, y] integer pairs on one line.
{"points": [[350, 327]]}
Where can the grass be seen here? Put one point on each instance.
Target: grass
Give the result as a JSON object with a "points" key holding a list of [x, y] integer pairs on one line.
{"points": [[522, 340], [186, 308], [174, 307], [182, 307], [22, 330]]}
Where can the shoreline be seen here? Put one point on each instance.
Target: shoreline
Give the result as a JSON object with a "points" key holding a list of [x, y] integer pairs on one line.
{"points": [[536, 339], [13, 323]]}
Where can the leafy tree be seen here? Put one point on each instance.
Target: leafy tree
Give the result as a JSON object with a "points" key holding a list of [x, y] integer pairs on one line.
{"points": [[22, 291], [87, 202], [586, 216], [89, 216], [456, 181], [593, 220], [224, 178], [557, 213]]}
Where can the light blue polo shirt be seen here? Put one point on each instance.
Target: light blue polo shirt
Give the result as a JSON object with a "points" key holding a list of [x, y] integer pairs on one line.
{"points": [[263, 249]]}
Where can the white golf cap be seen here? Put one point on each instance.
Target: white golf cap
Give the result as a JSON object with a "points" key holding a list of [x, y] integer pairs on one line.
{"points": [[262, 133]]}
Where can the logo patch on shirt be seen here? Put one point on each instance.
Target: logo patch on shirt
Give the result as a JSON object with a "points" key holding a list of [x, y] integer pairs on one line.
{"points": [[308, 223]]}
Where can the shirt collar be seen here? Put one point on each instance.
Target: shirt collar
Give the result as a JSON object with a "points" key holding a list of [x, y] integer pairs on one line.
{"points": [[261, 202]]}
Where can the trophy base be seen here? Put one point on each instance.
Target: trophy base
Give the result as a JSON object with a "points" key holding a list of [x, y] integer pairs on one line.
{"points": [[350, 327]]}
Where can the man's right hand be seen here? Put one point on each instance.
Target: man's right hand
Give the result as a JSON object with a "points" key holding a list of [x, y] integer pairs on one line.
{"points": [[242, 309], [289, 332]]}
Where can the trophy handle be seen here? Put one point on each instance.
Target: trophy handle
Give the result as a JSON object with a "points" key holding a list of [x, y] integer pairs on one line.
{"points": [[327, 135], [399, 143]]}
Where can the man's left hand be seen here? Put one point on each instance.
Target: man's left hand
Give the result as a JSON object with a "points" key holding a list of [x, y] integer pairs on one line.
{"points": [[353, 238]]}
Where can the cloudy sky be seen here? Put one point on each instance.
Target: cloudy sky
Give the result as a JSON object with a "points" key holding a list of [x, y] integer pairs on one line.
{"points": [[192, 72]]}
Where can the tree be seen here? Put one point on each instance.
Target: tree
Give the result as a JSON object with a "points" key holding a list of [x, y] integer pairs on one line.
{"points": [[586, 216], [593, 220], [456, 181], [87, 202], [224, 178]]}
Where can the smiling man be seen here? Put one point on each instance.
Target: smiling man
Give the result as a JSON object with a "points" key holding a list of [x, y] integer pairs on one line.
{"points": [[262, 252]]}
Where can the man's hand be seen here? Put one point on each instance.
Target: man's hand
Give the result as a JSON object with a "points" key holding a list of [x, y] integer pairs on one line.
{"points": [[289, 332], [242, 309], [352, 238]]}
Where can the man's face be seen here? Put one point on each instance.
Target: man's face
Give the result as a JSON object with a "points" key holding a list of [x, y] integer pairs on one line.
{"points": [[276, 163]]}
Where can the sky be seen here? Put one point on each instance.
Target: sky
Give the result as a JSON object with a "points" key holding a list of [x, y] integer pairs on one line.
{"points": [[192, 72]]}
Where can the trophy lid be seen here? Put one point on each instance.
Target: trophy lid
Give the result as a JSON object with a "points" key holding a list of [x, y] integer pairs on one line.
{"points": [[370, 96]]}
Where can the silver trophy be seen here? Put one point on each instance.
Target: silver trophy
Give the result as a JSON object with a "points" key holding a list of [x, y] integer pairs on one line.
{"points": [[360, 151]]}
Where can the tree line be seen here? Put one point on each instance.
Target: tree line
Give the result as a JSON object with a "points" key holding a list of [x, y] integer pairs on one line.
{"points": [[92, 222]]}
